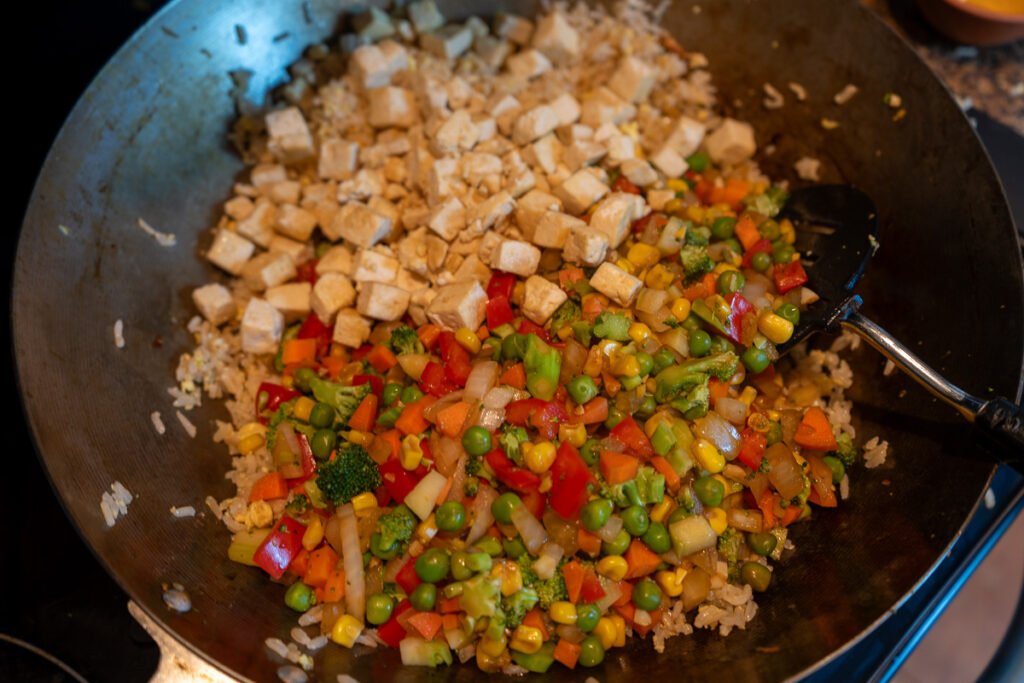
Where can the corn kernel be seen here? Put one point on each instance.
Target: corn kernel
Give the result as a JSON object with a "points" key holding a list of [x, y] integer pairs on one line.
{"points": [[670, 582], [677, 185], [564, 332], [626, 265], [346, 630], [259, 514], [562, 612], [723, 267], [411, 453], [526, 639], [314, 534], [716, 518], [748, 395], [620, 630], [696, 214], [775, 327], [643, 255], [787, 231], [545, 483], [681, 309], [360, 438], [605, 632], [487, 663], [250, 443], [708, 457], [426, 529], [574, 434], [639, 333], [661, 511], [626, 366], [540, 458], [659, 277], [511, 577], [303, 408], [492, 648], [364, 501], [252, 429], [467, 339], [288, 381], [613, 567]]}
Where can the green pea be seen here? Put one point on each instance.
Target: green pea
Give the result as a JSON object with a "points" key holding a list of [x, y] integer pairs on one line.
{"points": [[734, 246], [730, 281], [514, 547], [646, 595], [769, 230], [299, 597], [783, 253], [392, 391], [587, 616], [591, 451], [322, 416], [761, 261], [513, 347], [453, 590], [302, 378], [460, 566], [480, 561], [789, 312], [595, 514], [756, 360], [700, 343], [723, 228], [379, 607], [677, 514], [615, 416], [489, 545], [591, 652], [424, 597], [411, 394], [757, 575], [503, 506], [629, 383], [378, 548], [721, 345], [837, 467], [774, 433], [657, 539], [432, 565], [635, 520], [389, 417], [662, 359], [581, 389], [617, 545], [647, 407], [709, 490], [476, 440], [691, 324], [645, 362], [762, 543], [322, 443], [698, 162], [451, 516]]}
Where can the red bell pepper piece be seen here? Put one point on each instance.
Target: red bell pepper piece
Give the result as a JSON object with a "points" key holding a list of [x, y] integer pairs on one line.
{"points": [[391, 631], [623, 184], [759, 246], [659, 220], [375, 382], [544, 416], [741, 308], [592, 588], [280, 547], [516, 478], [569, 478], [629, 433], [407, 577], [314, 328], [789, 276], [433, 380], [269, 398], [306, 458], [500, 284], [307, 271], [399, 481], [752, 447], [455, 358], [499, 312], [530, 327]]}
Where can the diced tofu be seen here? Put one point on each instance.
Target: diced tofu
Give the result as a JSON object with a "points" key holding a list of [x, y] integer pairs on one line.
{"points": [[337, 159], [373, 24], [358, 224], [391, 106], [579, 191], [230, 251], [553, 229], [447, 42], [262, 327], [531, 207], [632, 80], [297, 251], [331, 293], [519, 179], [262, 176], [478, 26], [476, 166], [536, 123], [487, 213], [668, 161], [621, 148], [448, 219], [485, 128], [572, 134], [541, 298], [425, 16], [337, 259], [492, 51], [685, 136], [556, 38], [285, 192], [291, 299], [259, 226], [566, 108], [528, 64], [472, 269], [290, 139], [215, 303], [411, 282], [603, 106], [457, 133], [583, 154], [441, 179], [514, 256], [382, 302], [421, 252], [374, 65], [615, 215], [351, 329], [268, 270], [585, 246], [616, 284], [731, 143], [296, 223], [639, 172], [513, 27], [486, 246], [659, 198], [238, 208], [373, 266], [505, 111], [460, 304], [547, 152]]}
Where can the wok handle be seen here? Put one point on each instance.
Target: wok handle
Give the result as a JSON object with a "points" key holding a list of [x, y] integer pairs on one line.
{"points": [[999, 419]]}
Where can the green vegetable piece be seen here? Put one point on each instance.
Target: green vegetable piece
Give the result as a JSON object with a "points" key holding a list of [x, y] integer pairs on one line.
{"points": [[302, 377], [790, 312], [380, 549], [709, 490], [392, 391], [837, 467], [591, 451], [757, 575], [635, 520], [646, 595], [783, 253], [424, 597], [646, 363], [583, 331], [343, 399], [663, 358], [723, 227], [352, 472], [404, 340], [596, 513], [543, 365], [581, 388], [322, 416], [379, 607], [756, 360], [411, 394], [517, 605], [513, 347], [489, 545], [323, 443], [432, 566], [614, 326], [451, 516], [695, 260], [721, 345], [700, 343], [762, 543], [480, 596], [846, 453], [698, 236], [513, 547], [698, 162], [730, 281], [663, 439], [587, 616], [615, 416], [617, 545], [646, 408], [299, 597], [476, 440], [389, 417], [657, 538], [396, 526], [537, 662], [460, 566], [761, 261], [566, 314], [591, 652], [769, 230], [503, 506]]}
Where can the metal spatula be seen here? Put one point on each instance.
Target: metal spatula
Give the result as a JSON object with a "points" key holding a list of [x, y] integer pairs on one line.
{"points": [[836, 227]]}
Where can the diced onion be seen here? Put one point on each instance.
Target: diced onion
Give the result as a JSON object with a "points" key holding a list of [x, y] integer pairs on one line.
{"points": [[481, 379], [756, 285], [483, 518], [612, 593], [745, 520], [423, 497], [491, 419], [651, 300], [437, 406], [499, 397], [642, 617], [547, 563], [532, 531], [457, 490], [678, 340], [562, 531], [610, 529], [355, 584], [731, 409], [784, 472], [715, 429], [446, 452]]}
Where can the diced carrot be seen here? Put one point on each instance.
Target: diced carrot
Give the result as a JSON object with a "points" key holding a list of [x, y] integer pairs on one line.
{"points": [[791, 514], [441, 497], [381, 358], [588, 542], [450, 420], [746, 232], [333, 365], [626, 596], [365, 416], [393, 439], [514, 376], [298, 351], [269, 487], [732, 193], [334, 589], [593, 304], [611, 384], [482, 332], [426, 623], [718, 389], [626, 611], [428, 334], [494, 531], [617, 468], [710, 282], [573, 574], [450, 622], [663, 467], [322, 562], [595, 410], [567, 653], [640, 560], [300, 564], [449, 605], [411, 421], [767, 505], [814, 431], [534, 619], [695, 291]]}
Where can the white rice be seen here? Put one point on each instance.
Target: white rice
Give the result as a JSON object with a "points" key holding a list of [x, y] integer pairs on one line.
{"points": [[317, 643], [276, 646], [190, 428], [164, 239], [890, 367], [158, 423], [875, 452], [312, 616], [177, 599], [292, 674], [186, 511], [798, 90], [808, 168], [990, 499], [846, 94], [114, 503], [119, 333], [844, 487], [773, 99], [345, 678]]}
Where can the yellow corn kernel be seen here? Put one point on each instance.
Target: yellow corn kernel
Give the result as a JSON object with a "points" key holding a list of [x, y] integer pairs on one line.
{"points": [[681, 309], [346, 630], [643, 255], [540, 457], [775, 327], [314, 534], [626, 366], [605, 632], [411, 453], [674, 206], [661, 511], [364, 501], [787, 231], [620, 630], [252, 429], [562, 612], [259, 514], [696, 214], [564, 332], [487, 663], [426, 529], [716, 518], [303, 407], [288, 381], [708, 457], [613, 567], [677, 185], [545, 483], [250, 443], [467, 339], [659, 277], [526, 639], [511, 577], [492, 648], [360, 438], [669, 582], [574, 434], [626, 265], [639, 333], [748, 395], [723, 267]]}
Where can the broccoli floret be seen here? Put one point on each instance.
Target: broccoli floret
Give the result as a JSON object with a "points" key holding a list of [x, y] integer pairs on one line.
{"points": [[473, 464], [583, 331], [566, 314], [517, 605], [695, 261], [396, 526], [699, 236], [405, 340], [548, 590], [729, 549], [298, 504], [648, 487], [614, 326], [481, 595], [847, 452], [769, 204], [471, 486], [510, 441], [696, 402], [721, 365], [352, 472], [343, 399]]}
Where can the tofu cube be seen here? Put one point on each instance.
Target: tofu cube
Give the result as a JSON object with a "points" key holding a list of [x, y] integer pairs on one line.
{"points": [[478, 26], [616, 284], [291, 299], [579, 191], [230, 251], [603, 106], [476, 166], [460, 304], [659, 198], [391, 106], [541, 298], [585, 246], [448, 219], [295, 222], [685, 136], [372, 66], [331, 293], [215, 303], [358, 224], [731, 143], [382, 302], [621, 148], [639, 172], [351, 329], [514, 256], [669, 162], [458, 132], [556, 38], [615, 215], [337, 159], [373, 24], [373, 266], [337, 259], [472, 269], [553, 229], [583, 154], [487, 213], [262, 176], [238, 208], [285, 192], [262, 327], [290, 139], [259, 226], [513, 27], [535, 123], [268, 270], [491, 51], [447, 42], [441, 180], [567, 109], [296, 251], [632, 80], [528, 64], [425, 16], [531, 207], [547, 152]]}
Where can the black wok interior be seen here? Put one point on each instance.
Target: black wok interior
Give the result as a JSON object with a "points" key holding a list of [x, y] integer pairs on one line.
{"points": [[148, 140]]}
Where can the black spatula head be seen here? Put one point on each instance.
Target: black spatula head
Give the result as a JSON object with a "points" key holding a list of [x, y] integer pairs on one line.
{"points": [[836, 228]]}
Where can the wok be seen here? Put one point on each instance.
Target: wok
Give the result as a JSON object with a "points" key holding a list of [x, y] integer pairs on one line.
{"points": [[148, 140]]}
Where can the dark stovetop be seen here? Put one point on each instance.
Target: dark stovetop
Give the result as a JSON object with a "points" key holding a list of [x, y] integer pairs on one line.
{"points": [[57, 597]]}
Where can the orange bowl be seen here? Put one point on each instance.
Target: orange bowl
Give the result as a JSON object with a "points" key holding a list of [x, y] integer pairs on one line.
{"points": [[974, 24]]}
